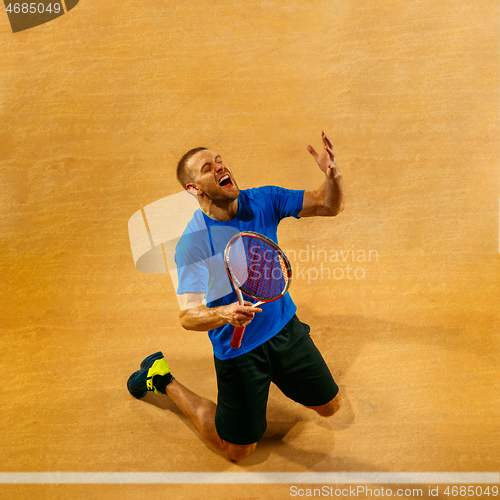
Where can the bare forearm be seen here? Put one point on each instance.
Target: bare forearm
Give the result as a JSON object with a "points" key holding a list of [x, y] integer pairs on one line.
{"points": [[333, 194], [202, 318], [327, 201]]}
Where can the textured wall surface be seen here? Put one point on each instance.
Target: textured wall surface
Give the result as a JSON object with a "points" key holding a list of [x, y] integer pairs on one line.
{"points": [[96, 108]]}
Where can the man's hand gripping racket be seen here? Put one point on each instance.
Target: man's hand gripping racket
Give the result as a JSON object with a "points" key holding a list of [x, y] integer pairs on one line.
{"points": [[258, 268]]}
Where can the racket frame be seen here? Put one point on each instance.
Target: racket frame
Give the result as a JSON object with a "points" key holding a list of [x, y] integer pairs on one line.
{"points": [[240, 290]]}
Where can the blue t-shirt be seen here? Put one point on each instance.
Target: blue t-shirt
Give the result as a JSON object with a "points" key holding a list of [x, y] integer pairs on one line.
{"points": [[199, 256]]}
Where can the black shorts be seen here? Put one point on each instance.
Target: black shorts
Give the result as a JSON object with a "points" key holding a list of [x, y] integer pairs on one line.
{"points": [[290, 360]]}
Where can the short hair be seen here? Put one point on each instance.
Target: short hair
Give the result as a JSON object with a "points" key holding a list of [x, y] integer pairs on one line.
{"points": [[183, 176]]}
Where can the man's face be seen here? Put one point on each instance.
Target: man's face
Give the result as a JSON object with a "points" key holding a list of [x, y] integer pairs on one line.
{"points": [[212, 176]]}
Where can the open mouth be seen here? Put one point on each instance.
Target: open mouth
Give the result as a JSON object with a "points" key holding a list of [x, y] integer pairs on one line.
{"points": [[225, 181]]}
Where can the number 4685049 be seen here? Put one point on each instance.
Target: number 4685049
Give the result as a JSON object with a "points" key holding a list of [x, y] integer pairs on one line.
{"points": [[470, 491], [33, 8]]}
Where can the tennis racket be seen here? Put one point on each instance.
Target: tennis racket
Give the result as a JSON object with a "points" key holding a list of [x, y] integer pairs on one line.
{"points": [[258, 268]]}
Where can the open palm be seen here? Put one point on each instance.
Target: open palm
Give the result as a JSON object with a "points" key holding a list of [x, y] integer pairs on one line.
{"points": [[326, 159]]}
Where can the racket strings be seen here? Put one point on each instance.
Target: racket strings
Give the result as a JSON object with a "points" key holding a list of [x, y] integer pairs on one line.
{"points": [[258, 268]]}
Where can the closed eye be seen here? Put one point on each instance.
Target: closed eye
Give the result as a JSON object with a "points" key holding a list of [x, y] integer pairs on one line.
{"points": [[206, 167]]}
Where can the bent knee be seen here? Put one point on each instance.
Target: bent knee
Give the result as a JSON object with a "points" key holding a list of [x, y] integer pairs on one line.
{"points": [[238, 452], [328, 409]]}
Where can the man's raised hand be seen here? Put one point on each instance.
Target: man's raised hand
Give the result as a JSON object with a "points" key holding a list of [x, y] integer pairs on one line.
{"points": [[326, 160]]}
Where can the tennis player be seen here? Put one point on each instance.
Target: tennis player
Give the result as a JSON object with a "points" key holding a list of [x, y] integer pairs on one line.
{"points": [[276, 346]]}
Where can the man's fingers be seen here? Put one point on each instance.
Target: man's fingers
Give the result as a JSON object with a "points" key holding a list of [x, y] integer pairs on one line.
{"points": [[249, 310], [243, 315], [327, 140], [251, 306], [312, 151]]}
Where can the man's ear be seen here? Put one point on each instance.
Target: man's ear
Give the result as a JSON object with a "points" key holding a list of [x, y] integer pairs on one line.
{"points": [[193, 189]]}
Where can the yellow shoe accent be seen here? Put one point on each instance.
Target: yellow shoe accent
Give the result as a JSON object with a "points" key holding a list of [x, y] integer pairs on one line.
{"points": [[160, 367]]}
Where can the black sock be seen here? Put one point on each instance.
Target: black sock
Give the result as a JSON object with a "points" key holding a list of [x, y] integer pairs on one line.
{"points": [[160, 382]]}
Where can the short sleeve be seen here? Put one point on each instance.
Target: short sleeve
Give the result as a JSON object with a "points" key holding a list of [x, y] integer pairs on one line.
{"points": [[287, 202], [199, 258], [192, 268]]}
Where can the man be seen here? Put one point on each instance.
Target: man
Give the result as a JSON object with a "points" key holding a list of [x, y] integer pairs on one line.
{"points": [[276, 346]]}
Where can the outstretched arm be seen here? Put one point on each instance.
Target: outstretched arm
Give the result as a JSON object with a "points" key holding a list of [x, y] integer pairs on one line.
{"points": [[328, 200]]}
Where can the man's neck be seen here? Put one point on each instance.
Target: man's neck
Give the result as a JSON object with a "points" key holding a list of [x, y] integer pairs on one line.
{"points": [[221, 211]]}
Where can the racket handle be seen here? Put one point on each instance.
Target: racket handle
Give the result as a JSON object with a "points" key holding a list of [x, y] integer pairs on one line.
{"points": [[237, 335]]}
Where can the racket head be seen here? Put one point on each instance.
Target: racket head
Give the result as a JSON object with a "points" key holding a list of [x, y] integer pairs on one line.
{"points": [[257, 266]]}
